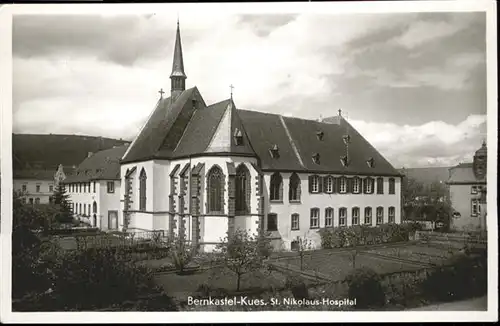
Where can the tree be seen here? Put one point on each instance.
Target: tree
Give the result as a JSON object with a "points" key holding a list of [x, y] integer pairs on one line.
{"points": [[242, 253], [181, 253], [304, 245], [61, 201]]}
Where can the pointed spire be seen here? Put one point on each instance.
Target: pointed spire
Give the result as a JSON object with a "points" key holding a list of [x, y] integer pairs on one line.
{"points": [[178, 62], [177, 77]]}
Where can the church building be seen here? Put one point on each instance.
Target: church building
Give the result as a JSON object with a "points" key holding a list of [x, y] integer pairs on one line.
{"points": [[199, 170]]}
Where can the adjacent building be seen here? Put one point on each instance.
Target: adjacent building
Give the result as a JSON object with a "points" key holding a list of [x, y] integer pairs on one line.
{"points": [[94, 188], [201, 170], [467, 184], [37, 185]]}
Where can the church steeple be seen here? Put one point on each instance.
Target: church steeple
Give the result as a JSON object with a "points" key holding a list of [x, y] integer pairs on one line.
{"points": [[177, 77]]}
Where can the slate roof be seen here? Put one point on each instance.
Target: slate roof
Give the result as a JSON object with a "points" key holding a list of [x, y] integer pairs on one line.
{"points": [[103, 165], [464, 174], [185, 128], [34, 174]]}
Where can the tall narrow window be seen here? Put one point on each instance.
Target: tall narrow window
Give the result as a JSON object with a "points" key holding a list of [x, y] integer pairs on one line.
{"points": [[342, 216], [31, 201], [295, 221], [94, 208], [392, 214], [111, 185], [474, 207], [215, 190], [329, 217], [368, 215], [368, 183], [84, 209], [37, 188], [51, 188], [314, 183], [380, 215], [275, 190], [356, 185], [392, 186], [24, 188], [342, 185], [242, 190], [314, 218], [294, 188], [142, 190], [329, 184], [37, 200], [272, 222], [94, 186], [355, 216], [380, 186]]}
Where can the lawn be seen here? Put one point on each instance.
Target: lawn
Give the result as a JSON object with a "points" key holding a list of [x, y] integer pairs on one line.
{"points": [[426, 254], [182, 286], [339, 265]]}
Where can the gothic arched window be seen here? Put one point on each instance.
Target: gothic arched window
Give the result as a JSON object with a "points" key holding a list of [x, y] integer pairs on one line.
{"points": [[142, 190], [215, 189], [294, 188], [276, 187], [242, 189]]}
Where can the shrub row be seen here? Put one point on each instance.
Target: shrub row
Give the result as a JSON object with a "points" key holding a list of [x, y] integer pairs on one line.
{"points": [[72, 231], [363, 234]]}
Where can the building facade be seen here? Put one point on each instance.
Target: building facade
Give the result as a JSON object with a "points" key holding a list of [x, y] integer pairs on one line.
{"points": [[37, 186], [94, 189], [467, 184], [200, 171]]}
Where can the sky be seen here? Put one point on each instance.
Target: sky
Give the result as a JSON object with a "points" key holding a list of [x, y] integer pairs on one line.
{"points": [[413, 84]]}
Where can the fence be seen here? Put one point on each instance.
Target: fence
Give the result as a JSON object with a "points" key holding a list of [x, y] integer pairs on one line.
{"points": [[453, 239]]}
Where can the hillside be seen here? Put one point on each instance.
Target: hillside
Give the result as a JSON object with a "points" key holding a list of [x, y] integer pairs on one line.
{"points": [[427, 175], [30, 151]]}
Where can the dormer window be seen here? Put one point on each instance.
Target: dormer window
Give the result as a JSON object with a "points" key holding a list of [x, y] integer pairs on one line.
{"points": [[370, 162], [347, 139], [238, 137], [320, 135], [315, 158], [274, 151], [345, 161]]}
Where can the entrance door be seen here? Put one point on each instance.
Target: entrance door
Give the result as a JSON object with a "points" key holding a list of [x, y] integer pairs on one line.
{"points": [[112, 220]]}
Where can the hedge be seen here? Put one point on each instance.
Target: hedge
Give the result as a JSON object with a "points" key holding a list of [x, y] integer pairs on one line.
{"points": [[363, 234]]}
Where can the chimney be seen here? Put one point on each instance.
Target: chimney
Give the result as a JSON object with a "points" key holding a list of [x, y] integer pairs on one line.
{"points": [[89, 154]]}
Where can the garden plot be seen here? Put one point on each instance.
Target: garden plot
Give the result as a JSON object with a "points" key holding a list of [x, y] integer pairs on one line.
{"points": [[338, 265], [418, 253]]}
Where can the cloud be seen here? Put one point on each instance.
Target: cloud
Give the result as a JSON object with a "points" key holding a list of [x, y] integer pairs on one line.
{"points": [[100, 75], [434, 143]]}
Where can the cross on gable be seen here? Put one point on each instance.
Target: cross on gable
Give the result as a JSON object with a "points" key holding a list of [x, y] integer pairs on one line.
{"points": [[231, 87], [340, 112], [161, 92]]}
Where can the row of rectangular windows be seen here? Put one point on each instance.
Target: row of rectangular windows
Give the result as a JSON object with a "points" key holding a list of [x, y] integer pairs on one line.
{"points": [[475, 208], [77, 208], [476, 189], [328, 184], [35, 201], [272, 218], [85, 187], [24, 188]]}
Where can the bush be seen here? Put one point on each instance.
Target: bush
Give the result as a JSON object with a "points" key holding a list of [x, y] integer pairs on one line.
{"points": [[365, 286], [297, 286], [364, 234], [100, 277], [463, 276]]}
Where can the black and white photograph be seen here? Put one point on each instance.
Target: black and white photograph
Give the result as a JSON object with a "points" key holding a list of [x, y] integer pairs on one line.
{"points": [[251, 158]]}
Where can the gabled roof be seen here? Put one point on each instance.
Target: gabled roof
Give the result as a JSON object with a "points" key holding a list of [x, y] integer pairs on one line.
{"points": [[297, 141], [33, 174], [188, 127], [163, 128], [463, 173], [103, 165]]}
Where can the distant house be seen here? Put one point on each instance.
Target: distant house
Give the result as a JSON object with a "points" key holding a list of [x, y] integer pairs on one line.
{"points": [[37, 185], [94, 188], [467, 182]]}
